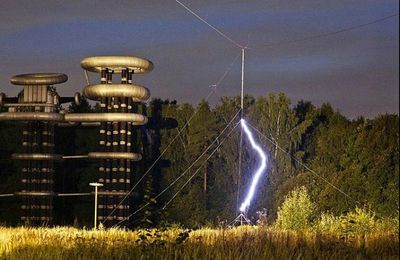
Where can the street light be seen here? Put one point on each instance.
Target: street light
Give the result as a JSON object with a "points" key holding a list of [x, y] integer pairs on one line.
{"points": [[95, 185]]}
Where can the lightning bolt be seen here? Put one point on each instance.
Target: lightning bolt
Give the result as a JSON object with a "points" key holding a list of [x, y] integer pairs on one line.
{"points": [[245, 204]]}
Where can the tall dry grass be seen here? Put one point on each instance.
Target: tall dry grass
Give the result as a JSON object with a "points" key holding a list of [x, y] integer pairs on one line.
{"points": [[236, 243]]}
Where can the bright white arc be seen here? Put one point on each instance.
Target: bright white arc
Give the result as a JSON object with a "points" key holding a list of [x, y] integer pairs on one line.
{"points": [[259, 171]]}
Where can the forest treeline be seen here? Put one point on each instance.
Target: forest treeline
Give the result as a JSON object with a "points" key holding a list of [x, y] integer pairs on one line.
{"points": [[350, 162]]}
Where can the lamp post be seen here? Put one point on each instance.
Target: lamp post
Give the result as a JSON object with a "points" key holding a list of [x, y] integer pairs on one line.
{"points": [[95, 185]]}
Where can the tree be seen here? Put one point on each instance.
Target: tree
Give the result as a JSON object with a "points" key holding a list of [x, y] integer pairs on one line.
{"points": [[296, 211], [277, 121], [226, 182], [174, 141], [360, 157], [377, 157]]}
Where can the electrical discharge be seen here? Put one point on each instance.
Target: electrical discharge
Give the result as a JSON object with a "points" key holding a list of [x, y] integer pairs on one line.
{"points": [[245, 204]]}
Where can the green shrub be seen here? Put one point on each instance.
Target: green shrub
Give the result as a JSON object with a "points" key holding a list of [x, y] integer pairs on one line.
{"points": [[388, 225], [360, 221], [296, 211], [330, 224]]}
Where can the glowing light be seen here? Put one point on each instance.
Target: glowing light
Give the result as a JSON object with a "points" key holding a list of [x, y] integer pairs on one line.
{"points": [[259, 171]]}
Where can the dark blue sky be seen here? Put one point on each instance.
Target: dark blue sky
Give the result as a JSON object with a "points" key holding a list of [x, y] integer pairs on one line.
{"points": [[356, 71]]}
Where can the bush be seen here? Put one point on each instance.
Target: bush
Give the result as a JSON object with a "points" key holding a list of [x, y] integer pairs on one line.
{"points": [[361, 221], [389, 225], [296, 211], [329, 224]]}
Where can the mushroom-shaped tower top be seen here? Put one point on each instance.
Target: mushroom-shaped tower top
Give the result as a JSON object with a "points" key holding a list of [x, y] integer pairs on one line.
{"points": [[117, 64], [33, 79]]}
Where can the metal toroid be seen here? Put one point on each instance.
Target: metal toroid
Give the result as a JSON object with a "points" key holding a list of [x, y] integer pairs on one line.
{"points": [[117, 63]]}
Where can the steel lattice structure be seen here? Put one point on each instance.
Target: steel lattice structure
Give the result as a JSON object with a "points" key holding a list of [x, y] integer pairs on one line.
{"points": [[115, 131], [38, 108]]}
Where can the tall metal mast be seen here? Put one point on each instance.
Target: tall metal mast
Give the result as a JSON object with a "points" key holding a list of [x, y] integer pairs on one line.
{"points": [[242, 84], [241, 130]]}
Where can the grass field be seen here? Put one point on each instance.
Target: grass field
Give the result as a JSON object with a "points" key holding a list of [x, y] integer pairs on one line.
{"points": [[236, 243]]}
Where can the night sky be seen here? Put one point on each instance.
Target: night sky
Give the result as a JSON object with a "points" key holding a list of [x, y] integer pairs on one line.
{"points": [[356, 71]]}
